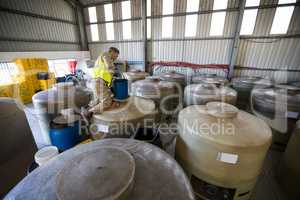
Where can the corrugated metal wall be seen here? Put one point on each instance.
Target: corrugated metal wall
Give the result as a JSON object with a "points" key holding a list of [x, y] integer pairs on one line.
{"points": [[54, 30], [275, 55]]}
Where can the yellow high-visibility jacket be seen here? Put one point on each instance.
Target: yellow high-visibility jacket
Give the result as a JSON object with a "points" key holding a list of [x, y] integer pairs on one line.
{"points": [[103, 67]]}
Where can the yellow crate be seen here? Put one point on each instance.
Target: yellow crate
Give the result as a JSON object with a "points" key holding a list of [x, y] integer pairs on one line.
{"points": [[25, 91], [6, 90], [23, 64]]}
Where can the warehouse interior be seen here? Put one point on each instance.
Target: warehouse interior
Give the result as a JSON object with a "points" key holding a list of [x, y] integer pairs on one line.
{"points": [[150, 99]]}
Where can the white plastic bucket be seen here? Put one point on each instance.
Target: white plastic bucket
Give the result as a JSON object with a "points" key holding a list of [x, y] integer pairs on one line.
{"points": [[45, 154]]}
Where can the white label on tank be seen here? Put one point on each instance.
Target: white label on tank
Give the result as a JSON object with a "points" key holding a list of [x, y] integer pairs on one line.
{"points": [[102, 128], [227, 157], [293, 115]]}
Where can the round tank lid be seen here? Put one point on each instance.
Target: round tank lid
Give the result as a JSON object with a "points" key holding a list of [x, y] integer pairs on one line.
{"points": [[106, 174], [224, 124], [221, 110], [172, 75], [153, 78], [210, 79], [202, 89]]}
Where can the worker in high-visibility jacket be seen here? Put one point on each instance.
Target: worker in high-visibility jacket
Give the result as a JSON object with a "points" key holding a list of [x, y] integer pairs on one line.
{"points": [[104, 66]]}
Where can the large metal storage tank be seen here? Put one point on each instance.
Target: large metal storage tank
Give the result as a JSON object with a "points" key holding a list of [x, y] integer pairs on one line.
{"points": [[49, 103], [200, 94], [222, 149], [289, 171], [210, 79], [107, 169], [244, 85], [279, 107], [124, 119]]}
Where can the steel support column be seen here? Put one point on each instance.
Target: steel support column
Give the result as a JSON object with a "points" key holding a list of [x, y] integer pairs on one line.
{"points": [[144, 31], [81, 28], [235, 43]]}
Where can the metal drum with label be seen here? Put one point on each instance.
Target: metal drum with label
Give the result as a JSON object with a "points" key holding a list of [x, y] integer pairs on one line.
{"points": [[110, 169], [222, 149], [279, 107]]}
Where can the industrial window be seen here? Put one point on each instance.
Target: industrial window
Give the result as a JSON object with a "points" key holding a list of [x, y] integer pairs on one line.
{"points": [[250, 3], [110, 31], [286, 1], [168, 7], [167, 22], [192, 5], [92, 14], [7, 73], [167, 27], [191, 25], [94, 32], [248, 23], [218, 18], [148, 28], [191, 20], [108, 12], [126, 30], [148, 7], [220, 4], [126, 10], [282, 20], [217, 24], [148, 20], [126, 14]]}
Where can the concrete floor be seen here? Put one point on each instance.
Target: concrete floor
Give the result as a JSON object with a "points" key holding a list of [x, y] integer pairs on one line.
{"points": [[267, 187]]}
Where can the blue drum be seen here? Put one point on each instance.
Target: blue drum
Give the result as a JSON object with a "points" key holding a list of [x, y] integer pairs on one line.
{"points": [[120, 89], [65, 131]]}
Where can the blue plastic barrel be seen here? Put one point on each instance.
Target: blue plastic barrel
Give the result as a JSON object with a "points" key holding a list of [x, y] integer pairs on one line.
{"points": [[120, 89], [65, 132]]}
